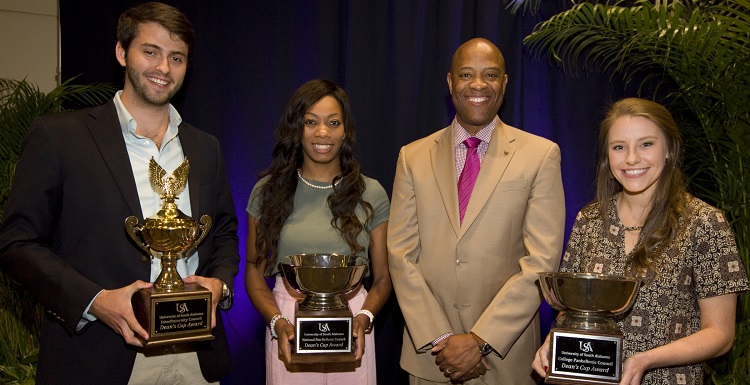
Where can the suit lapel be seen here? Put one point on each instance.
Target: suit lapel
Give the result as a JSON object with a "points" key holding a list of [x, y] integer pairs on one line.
{"points": [[105, 130], [496, 160], [444, 168]]}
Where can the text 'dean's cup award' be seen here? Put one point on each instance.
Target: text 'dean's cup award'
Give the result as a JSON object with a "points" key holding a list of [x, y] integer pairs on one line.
{"points": [[586, 346], [323, 320], [171, 311]]}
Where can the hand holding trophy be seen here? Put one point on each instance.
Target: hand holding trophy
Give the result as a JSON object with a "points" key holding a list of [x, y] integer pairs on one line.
{"points": [[171, 311]]}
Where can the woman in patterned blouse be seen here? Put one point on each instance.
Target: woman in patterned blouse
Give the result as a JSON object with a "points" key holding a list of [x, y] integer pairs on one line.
{"points": [[644, 223]]}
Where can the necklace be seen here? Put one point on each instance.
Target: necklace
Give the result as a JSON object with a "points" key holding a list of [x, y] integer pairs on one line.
{"points": [[305, 181], [632, 228]]}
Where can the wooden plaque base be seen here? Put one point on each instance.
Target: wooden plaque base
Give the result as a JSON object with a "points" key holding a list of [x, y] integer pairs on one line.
{"points": [[174, 317], [323, 336], [584, 357]]}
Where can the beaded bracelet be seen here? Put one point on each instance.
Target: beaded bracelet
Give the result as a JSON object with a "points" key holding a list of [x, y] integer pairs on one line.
{"points": [[272, 325], [369, 315]]}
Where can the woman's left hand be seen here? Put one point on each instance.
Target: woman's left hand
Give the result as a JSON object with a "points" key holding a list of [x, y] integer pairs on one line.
{"points": [[359, 327]]}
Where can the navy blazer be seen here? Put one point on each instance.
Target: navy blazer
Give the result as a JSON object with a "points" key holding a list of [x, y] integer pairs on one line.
{"points": [[63, 238]]}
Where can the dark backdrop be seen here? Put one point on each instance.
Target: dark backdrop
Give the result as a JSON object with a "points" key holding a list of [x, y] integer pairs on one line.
{"points": [[391, 56]]}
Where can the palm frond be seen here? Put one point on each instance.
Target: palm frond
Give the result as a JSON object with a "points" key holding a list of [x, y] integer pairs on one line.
{"points": [[523, 5]]}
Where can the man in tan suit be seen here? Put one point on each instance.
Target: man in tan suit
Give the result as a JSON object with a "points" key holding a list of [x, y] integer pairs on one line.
{"points": [[468, 287]]}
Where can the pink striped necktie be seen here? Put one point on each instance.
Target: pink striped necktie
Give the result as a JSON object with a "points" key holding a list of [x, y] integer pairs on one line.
{"points": [[468, 175]]}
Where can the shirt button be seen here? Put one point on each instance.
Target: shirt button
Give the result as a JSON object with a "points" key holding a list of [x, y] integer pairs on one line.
{"points": [[455, 306], [459, 262]]}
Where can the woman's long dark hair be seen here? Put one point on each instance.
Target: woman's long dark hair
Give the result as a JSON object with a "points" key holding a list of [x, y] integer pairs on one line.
{"points": [[669, 202], [277, 194]]}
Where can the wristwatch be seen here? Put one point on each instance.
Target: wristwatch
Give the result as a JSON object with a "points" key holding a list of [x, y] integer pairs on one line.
{"points": [[224, 290], [485, 348]]}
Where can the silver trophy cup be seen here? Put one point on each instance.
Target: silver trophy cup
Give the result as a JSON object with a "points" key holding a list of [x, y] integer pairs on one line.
{"points": [[323, 320], [586, 345]]}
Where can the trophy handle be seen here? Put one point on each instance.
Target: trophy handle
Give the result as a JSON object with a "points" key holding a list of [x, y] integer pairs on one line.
{"points": [[205, 227], [131, 226]]}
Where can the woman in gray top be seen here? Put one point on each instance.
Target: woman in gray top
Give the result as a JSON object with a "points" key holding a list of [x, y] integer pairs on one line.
{"points": [[313, 199]]}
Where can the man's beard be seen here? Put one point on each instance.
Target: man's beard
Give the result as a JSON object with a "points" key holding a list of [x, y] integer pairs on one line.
{"points": [[138, 81]]}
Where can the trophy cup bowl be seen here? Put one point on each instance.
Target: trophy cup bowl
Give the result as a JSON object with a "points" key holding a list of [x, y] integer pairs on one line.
{"points": [[585, 344], [324, 278], [170, 235], [588, 300], [323, 320]]}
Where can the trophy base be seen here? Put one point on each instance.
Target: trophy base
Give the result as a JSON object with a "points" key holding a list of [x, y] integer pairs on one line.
{"points": [[584, 357], [174, 317], [323, 336]]}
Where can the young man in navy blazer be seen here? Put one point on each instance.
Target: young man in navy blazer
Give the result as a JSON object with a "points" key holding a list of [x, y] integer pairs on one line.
{"points": [[79, 176]]}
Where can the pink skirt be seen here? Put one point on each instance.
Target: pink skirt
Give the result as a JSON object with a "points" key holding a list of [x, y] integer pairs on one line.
{"points": [[278, 373]]}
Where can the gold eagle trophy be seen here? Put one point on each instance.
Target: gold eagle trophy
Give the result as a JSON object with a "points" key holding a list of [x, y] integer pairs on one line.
{"points": [[171, 311]]}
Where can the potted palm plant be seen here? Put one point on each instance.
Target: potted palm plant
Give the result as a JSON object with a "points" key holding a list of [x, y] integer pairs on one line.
{"points": [[20, 315], [693, 55]]}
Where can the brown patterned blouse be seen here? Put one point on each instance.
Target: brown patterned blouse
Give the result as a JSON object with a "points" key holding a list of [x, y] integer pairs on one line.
{"points": [[702, 262]]}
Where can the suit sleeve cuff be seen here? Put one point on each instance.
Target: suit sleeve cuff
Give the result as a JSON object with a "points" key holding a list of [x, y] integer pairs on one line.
{"points": [[435, 342], [87, 317]]}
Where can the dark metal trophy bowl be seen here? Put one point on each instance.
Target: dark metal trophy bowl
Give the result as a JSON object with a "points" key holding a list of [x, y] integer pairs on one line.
{"points": [[586, 345], [171, 311], [323, 320]]}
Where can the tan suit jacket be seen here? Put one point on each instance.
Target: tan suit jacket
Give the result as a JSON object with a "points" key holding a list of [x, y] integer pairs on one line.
{"points": [[481, 276]]}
